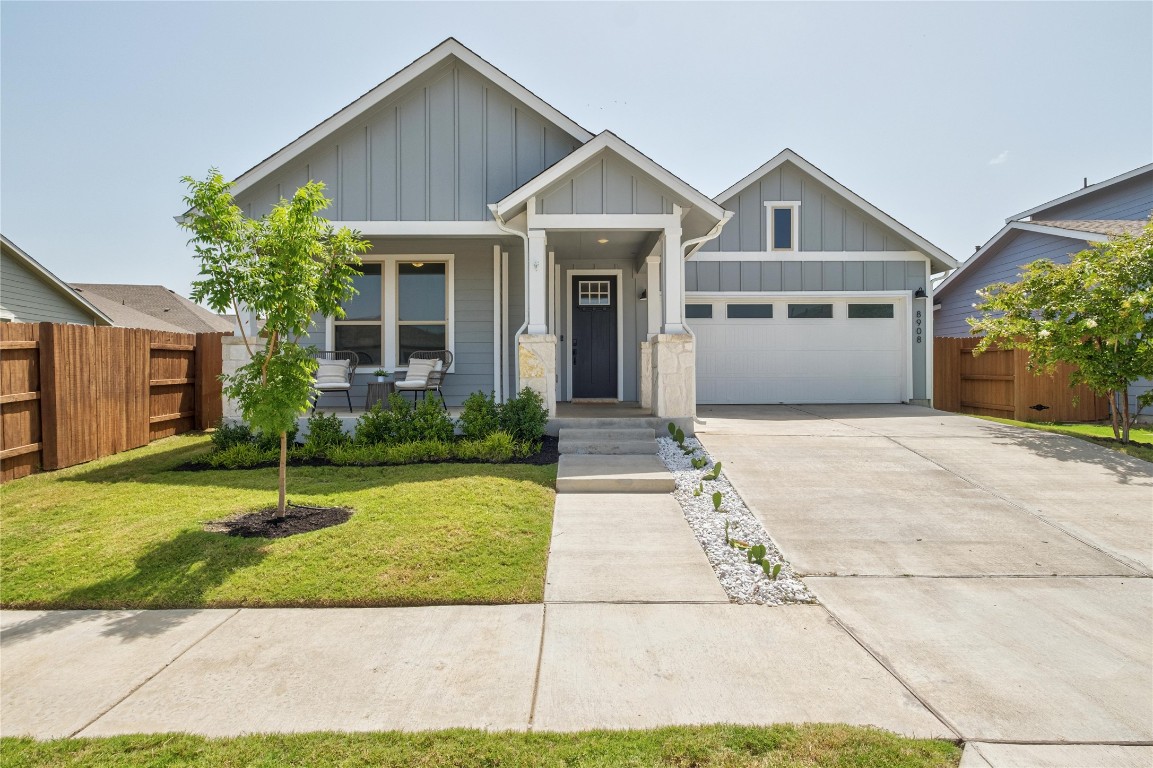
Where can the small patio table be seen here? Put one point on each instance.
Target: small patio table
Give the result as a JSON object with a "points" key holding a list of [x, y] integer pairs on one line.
{"points": [[378, 392]]}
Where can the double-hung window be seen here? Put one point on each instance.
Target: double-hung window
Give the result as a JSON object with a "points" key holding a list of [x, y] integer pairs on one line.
{"points": [[403, 305]]}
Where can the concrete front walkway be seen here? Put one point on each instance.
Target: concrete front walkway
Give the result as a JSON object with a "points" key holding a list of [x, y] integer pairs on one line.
{"points": [[1001, 574]]}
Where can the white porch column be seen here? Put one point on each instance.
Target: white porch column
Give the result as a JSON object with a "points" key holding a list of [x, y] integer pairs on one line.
{"points": [[653, 288], [537, 298], [673, 281]]}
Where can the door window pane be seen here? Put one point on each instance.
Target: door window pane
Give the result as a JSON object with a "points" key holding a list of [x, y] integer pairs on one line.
{"points": [[698, 310], [364, 340], [421, 291], [750, 310], [870, 310], [594, 293], [813, 311], [416, 338], [365, 305]]}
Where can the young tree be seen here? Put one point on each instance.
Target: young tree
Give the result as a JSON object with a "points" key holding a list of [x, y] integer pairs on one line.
{"points": [[285, 266], [1095, 313]]}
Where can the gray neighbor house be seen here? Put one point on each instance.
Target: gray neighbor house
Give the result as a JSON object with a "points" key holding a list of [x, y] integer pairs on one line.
{"points": [[542, 255], [30, 293], [1054, 230]]}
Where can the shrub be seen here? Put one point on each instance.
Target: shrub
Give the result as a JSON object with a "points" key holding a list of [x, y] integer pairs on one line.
{"points": [[430, 421], [230, 434], [480, 417], [374, 427], [271, 442], [244, 456], [495, 448], [325, 431], [524, 416]]}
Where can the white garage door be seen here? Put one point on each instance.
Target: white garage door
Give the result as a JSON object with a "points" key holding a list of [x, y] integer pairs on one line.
{"points": [[800, 350]]}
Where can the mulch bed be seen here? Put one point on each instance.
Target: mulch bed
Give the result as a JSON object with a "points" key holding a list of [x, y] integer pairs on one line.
{"points": [[549, 454], [270, 524]]}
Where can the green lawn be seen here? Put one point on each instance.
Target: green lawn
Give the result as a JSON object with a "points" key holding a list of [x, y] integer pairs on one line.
{"points": [[126, 532], [724, 746], [1140, 445]]}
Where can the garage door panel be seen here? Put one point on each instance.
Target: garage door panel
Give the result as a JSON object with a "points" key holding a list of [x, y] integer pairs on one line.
{"points": [[794, 360]]}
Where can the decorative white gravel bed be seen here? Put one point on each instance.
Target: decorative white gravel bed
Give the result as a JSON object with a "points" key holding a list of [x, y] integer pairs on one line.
{"points": [[744, 582]]}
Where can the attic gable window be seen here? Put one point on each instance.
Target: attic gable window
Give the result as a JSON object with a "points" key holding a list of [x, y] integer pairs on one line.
{"points": [[783, 225]]}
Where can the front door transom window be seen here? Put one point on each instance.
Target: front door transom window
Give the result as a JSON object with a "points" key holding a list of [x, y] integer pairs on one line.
{"points": [[594, 293]]}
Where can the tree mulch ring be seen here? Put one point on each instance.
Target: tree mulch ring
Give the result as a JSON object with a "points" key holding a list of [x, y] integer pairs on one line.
{"points": [[270, 524]]}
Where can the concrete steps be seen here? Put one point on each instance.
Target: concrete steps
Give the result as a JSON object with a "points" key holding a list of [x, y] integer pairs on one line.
{"points": [[608, 441], [659, 425], [612, 459]]}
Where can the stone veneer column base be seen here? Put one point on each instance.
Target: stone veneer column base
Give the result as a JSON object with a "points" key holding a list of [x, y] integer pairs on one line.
{"points": [[537, 366], [235, 356], [674, 364], [646, 375]]}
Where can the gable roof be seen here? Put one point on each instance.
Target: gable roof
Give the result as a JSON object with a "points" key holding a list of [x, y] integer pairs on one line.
{"points": [[54, 282], [607, 141], [154, 307], [450, 48], [1089, 190], [1044, 228], [941, 261]]}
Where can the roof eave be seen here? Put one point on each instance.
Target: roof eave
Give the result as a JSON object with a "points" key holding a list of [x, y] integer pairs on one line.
{"points": [[1091, 189]]}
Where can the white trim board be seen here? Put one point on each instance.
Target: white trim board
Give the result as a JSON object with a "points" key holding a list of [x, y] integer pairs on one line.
{"points": [[945, 261], [429, 61], [810, 256], [424, 228], [1082, 192], [569, 275]]}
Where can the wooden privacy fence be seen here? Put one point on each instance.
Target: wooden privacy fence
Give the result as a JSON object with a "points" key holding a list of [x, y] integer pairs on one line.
{"points": [[73, 393], [998, 383]]}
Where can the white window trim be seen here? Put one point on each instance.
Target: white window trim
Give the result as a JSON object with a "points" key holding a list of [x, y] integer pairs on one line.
{"points": [[795, 222], [389, 285]]}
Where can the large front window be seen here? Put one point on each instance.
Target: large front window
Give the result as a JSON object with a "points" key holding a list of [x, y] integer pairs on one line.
{"points": [[402, 306]]}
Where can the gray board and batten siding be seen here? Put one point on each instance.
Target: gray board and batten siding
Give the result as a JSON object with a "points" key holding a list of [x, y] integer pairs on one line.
{"points": [[1131, 200], [31, 300], [606, 184], [828, 222], [472, 327], [440, 149]]}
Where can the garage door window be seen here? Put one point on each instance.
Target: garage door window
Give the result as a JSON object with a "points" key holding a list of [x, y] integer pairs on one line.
{"points": [[698, 311], [742, 311], [811, 311], [866, 311]]}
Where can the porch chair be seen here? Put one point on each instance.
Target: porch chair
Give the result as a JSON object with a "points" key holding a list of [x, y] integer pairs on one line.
{"points": [[426, 372], [334, 374]]}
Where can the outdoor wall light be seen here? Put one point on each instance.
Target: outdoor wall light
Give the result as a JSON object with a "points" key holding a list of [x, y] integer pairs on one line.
{"points": [[644, 295], [919, 293]]}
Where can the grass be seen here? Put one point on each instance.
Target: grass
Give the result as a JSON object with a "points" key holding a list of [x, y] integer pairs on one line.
{"points": [[1139, 447], [722, 746], [127, 532]]}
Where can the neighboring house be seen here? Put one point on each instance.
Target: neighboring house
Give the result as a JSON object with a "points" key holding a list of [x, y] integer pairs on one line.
{"points": [[544, 256], [154, 307], [29, 293], [1054, 231]]}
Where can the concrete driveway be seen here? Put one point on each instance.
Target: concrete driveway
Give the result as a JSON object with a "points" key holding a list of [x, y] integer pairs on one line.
{"points": [[1003, 575]]}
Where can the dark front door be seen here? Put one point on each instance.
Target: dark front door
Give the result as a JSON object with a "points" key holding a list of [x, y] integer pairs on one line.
{"points": [[594, 336]]}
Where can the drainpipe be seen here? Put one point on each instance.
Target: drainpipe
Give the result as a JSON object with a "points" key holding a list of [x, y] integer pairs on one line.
{"points": [[516, 347], [699, 241]]}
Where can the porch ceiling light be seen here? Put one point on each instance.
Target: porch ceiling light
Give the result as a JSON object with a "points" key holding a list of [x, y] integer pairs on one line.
{"points": [[418, 264], [603, 240]]}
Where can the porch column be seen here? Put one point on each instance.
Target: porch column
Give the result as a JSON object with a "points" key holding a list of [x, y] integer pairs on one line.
{"points": [[653, 288], [537, 299], [673, 281]]}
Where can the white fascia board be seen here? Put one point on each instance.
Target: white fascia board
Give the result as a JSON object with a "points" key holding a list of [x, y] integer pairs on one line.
{"points": [[761, 295], [582, 221], [449, 48], [1092, 188], [941, 260], [608, 141], [62, 287], [810, 256], [424, 228], [1014, 226]]}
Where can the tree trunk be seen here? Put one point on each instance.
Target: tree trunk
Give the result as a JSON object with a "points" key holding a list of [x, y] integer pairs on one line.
{"points": [[281, 504], [1125, 420], [1113, 413]]}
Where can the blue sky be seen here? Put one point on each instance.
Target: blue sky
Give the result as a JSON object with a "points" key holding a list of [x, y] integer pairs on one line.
{"points": [[948, 116]]}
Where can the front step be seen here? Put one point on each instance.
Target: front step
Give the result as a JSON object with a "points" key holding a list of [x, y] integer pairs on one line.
{"points": [[557, 423], [606, 442], [577, 473]]}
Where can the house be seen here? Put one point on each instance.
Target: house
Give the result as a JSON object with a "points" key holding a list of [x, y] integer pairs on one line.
{"points": [[154, 307], [29, 293], [1054, 230], [542, 255]]}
